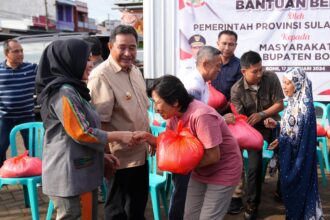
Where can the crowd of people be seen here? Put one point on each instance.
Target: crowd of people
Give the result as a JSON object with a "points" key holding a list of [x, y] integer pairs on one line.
{"points": [[96, 124]]}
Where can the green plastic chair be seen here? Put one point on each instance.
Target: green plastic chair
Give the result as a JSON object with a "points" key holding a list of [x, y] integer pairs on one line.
{"points": [[328, 117], [154, 116], [36, 134], [157, 182], [320, 160], [323, 139], [266, 157], [50, 210]]}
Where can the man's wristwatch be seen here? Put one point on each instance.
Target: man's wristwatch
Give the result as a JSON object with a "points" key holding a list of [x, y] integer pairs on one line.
{"points": [[262, 114]]}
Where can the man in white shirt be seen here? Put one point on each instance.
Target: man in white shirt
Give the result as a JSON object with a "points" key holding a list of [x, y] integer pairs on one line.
{"points": [[208, 63]]}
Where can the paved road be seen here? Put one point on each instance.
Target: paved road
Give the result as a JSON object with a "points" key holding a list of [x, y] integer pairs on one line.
{"points": [[12, 203]]}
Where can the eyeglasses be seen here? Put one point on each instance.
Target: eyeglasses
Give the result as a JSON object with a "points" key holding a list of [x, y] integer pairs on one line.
{"points": [[228, 44]]}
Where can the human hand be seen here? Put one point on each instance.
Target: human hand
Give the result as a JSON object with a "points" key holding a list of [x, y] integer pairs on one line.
{"points": [[111, 164], [254, 119], [126, 137], [140, 137], [229, 118], [273, 145], [270, 123]]}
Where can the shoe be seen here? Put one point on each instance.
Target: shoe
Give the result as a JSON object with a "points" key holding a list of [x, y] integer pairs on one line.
{"points": [[251, 212], [236, 206]]}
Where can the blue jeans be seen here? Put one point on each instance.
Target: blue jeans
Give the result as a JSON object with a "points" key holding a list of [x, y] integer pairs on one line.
{"points": [[6, 124], [178, 198]]}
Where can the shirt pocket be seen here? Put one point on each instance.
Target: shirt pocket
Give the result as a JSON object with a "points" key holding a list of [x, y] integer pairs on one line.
{"points": [[264, 102]]}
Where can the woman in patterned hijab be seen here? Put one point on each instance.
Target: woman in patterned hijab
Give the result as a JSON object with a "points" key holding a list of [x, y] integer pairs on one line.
{"points": [[297, 149]]}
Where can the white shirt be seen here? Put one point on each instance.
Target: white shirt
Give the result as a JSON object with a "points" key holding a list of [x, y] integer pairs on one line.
{"points": [[195, 84]]}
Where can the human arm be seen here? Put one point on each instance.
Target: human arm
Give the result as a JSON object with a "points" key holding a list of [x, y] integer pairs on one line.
{"points": [[125, 137], [211, 156], [272, 110], [270, 123], [77, 118], [273, 145], [229, 118], [208, 132], [111, 163], [191, 85], [274, 99], [143, 136]]}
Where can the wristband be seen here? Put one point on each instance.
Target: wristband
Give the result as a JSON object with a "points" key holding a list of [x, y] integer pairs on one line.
{"points": [[262, 114]]}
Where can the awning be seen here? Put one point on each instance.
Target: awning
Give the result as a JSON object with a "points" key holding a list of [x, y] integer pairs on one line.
{"points": [[66, 2]]}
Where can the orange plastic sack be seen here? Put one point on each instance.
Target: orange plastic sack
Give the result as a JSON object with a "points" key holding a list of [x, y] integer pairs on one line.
{"points": [[178, 151], [216, 99], [247, 136], [321, 132], [21, 166]]}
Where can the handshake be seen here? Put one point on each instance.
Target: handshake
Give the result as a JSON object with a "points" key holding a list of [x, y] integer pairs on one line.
{"points": [[111, 163], [136, 137]]}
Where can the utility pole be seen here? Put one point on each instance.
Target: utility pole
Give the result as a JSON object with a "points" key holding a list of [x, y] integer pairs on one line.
{"points": [[46, 15]]}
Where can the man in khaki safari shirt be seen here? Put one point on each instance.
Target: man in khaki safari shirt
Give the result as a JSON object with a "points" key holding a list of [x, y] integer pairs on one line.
{"points": [[119, 95]]}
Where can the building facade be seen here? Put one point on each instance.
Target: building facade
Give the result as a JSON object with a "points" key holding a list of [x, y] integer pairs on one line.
{"points": [[25, 17]]}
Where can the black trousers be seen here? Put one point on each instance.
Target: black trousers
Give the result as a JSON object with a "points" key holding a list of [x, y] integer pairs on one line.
{"points": [[254, 177], [128, 194]]}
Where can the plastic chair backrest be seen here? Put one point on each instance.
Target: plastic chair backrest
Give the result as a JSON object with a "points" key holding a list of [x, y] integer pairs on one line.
{"points": [[36, 136], [323, 107], [265, 152], [154, 116], [328, 113], [155, 130], [151, 106]]}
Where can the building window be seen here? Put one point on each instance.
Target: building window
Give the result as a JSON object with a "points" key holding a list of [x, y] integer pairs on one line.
{"points": [[60, 12], [68, 13]]}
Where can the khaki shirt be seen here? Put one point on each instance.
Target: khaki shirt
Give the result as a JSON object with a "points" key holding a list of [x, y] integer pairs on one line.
{"points": [[120, 99], [248, 101]]}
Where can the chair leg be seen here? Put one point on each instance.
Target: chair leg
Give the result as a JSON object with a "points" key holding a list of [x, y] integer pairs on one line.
{"points": [[26, 196], [104, 190], [33, 197], [325, 153], [155, 203], [164, 199], [246, 166], [50, 210], [320, 159]]}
